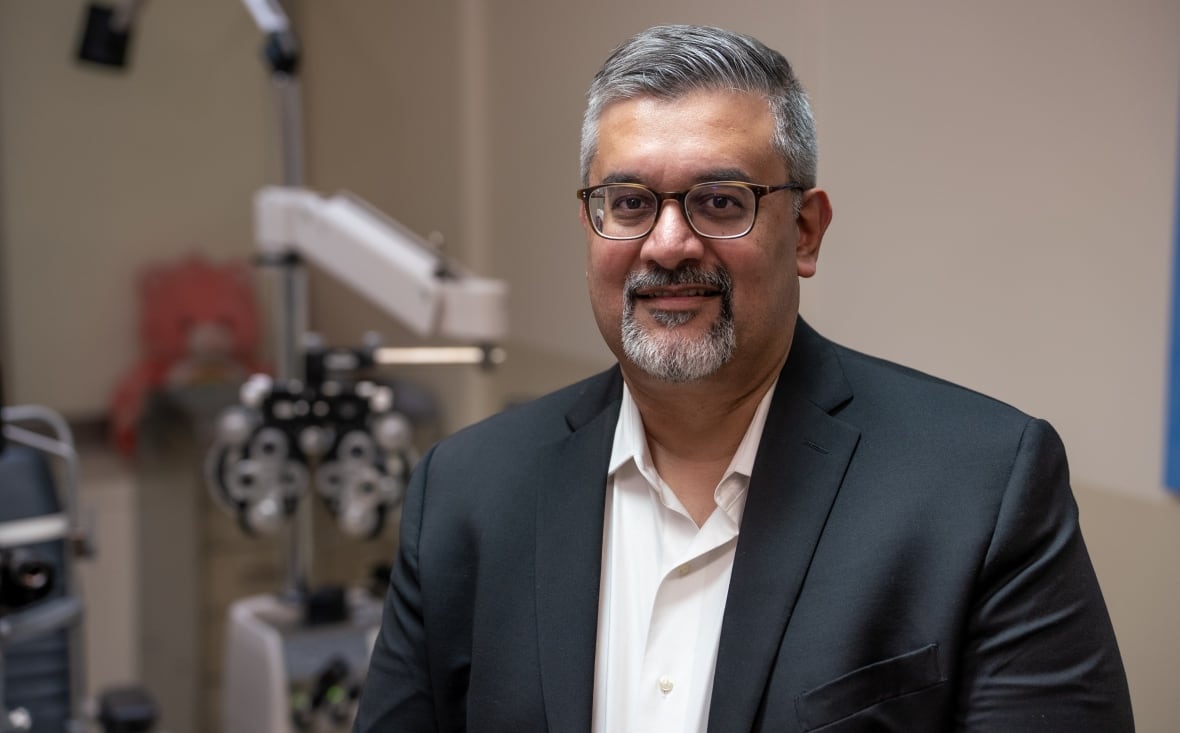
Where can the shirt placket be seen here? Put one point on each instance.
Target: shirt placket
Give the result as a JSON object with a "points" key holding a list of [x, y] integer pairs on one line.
{"points": [[668, 678]]}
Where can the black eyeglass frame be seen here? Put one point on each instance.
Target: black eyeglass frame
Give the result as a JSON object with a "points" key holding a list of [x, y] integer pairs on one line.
{"points": [[681, 197]]}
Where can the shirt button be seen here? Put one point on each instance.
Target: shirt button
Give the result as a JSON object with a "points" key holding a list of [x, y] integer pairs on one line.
{"points": [[684, 569], [666, 684]]}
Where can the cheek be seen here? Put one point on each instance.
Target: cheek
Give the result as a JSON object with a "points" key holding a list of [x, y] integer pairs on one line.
{"points": [[606, 271], [607, 263], [766, 293]]}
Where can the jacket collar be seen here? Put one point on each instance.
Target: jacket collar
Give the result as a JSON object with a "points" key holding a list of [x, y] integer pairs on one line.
{"points": [[571, 501], [801, 462]]}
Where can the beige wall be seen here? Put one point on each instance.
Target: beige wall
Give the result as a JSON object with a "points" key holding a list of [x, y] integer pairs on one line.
{"points": [[1003, 175], [103, 171], [1134, 545]]}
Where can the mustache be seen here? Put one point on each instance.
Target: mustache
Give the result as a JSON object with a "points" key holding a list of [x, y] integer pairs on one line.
{"points": [[659, 277]]}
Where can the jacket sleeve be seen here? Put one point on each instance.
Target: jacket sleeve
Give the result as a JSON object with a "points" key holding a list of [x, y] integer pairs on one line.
{"points": [[1041, 653], [397, 695]]}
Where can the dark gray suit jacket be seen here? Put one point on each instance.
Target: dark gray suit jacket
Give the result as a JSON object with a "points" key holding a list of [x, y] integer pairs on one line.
{"points": [[909, 560]]}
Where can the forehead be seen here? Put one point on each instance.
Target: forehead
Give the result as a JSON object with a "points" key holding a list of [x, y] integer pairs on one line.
{"points": [[704, 135]]}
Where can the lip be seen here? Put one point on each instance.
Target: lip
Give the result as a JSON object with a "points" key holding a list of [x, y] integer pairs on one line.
{"points": [[678, 291], [678, 297]]}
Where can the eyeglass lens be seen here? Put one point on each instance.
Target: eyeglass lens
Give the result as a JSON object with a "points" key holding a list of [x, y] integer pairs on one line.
{"points": [[713, 210]]}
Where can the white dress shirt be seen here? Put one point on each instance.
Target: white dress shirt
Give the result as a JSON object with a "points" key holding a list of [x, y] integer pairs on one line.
{"points": [[663, 588]]}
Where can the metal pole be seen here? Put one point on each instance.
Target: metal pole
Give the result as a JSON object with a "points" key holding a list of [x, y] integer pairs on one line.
{"points": [[291, 323], [291, 318]]}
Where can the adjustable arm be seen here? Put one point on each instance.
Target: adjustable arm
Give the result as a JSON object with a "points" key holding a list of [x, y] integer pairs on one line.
{"points": [[396, 269]]}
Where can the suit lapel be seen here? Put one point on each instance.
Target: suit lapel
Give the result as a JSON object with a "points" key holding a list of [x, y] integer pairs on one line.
{"points": [[801, 462], [570, 508]]}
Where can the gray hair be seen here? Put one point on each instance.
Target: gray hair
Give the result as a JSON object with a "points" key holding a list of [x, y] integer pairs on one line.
{"points": [[669, 61]]}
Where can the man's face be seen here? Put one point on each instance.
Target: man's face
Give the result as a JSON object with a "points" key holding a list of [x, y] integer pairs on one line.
{"points": [[679, 306]]}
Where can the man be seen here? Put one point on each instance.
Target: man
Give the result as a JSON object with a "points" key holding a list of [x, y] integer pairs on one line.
{"points": [[742, 526]]}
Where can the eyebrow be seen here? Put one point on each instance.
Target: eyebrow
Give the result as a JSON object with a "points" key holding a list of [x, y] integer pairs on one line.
{"points": [[716, 174]]}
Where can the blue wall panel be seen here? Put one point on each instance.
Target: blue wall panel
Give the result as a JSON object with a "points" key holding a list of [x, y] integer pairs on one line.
{"points": [[1172, 449]]}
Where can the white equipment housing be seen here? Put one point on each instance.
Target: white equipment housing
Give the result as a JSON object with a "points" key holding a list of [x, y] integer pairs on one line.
{"points": [[396, 269], [272, 661]]}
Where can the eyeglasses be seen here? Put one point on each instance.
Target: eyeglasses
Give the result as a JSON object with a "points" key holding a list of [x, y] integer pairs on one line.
{"points": [[716, 210]]}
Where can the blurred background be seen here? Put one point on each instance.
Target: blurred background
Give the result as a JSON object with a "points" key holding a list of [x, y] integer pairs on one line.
{"points": [[1003, 176]]}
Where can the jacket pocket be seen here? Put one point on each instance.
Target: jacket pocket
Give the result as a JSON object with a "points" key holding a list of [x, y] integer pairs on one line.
{"points": [[868, 686]]}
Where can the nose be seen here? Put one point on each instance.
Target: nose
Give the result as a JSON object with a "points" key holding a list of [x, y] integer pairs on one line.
{"points": [[672, 241]]}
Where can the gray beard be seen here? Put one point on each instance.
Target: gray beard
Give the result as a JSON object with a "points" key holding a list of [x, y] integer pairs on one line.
{"points": [[665, 353]]}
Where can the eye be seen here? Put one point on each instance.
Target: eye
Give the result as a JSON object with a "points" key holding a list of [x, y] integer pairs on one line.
{"points": [[630, 202], [719, 202]]}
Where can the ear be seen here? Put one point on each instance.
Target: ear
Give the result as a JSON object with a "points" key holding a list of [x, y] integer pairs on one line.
{"points": [[815, 215]]}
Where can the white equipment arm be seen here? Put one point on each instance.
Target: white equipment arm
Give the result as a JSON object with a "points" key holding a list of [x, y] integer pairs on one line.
{"points": [[268, 15], [393, 267]]}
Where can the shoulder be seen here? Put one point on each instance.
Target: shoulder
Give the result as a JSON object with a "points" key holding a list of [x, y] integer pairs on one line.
{"points": [[491, 469], [887, 389], [913, 422], [541, 420]]}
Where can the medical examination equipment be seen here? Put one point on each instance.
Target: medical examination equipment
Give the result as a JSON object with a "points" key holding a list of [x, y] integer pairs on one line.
{"points": [[39, 607], [326, 428], [336, 436], [326, 425], [40, 610]]}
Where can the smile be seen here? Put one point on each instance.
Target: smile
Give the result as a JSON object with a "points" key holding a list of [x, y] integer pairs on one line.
{"points": [[681, 292], [683, 289]]}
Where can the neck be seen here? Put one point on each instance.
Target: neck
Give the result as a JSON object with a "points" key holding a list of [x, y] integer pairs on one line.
{"points": [[693, 429], [701, 418]]}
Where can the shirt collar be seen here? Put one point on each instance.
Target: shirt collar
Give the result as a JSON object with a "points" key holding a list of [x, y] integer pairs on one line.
{"points": [[747, 451]]}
